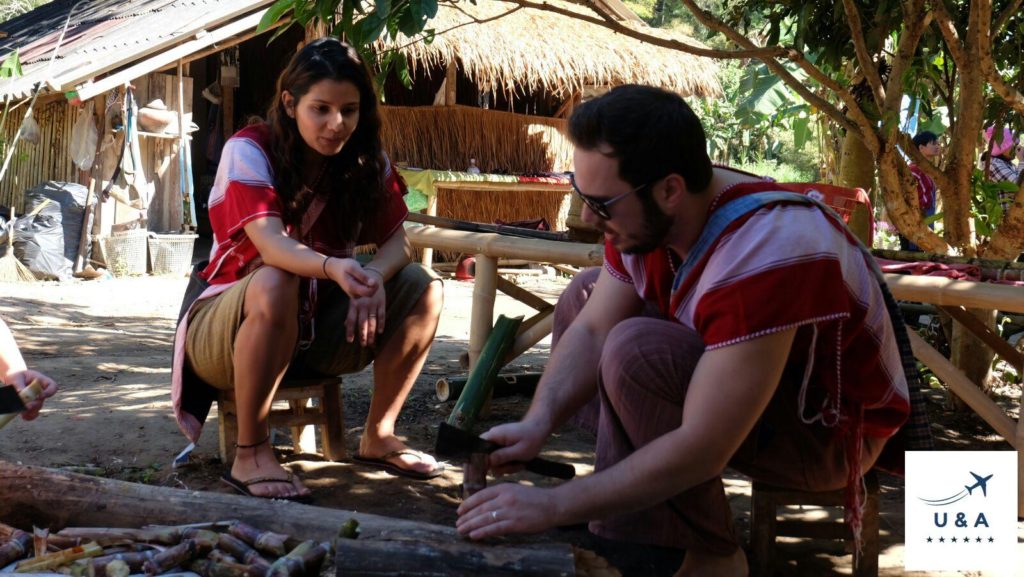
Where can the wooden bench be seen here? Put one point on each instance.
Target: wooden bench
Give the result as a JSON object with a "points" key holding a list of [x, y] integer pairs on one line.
{"points": [[765, 526], [326, 411]]}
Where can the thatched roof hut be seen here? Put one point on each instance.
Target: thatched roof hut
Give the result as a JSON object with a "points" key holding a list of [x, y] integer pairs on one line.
{"points": [[529, 50]]}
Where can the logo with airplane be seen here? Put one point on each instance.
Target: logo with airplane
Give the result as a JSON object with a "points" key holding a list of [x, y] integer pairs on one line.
{"points": [[979, 483]]}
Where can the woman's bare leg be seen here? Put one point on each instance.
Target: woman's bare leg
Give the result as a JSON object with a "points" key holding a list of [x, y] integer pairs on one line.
{"points": [[395, 369], [263, 349]]}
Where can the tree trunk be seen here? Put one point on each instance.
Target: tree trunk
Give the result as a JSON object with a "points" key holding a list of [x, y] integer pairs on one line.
{"points": [[857, 165], [970, 354]]}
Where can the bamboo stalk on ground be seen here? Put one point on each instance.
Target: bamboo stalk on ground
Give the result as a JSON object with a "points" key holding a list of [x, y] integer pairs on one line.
{"points": [[503, 385]]}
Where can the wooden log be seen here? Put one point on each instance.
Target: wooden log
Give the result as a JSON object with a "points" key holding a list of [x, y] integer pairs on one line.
{"points": [[415, 558], [54, 498]]}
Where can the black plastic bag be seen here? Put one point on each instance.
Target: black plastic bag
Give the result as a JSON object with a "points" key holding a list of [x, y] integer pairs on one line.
{"points": [[47, 242]]}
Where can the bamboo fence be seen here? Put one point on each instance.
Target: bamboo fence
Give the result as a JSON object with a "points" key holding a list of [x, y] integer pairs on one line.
{"points": [[47, 159]]}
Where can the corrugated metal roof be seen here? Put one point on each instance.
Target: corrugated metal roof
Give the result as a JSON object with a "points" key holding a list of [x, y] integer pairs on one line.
{"points": [[106, 35]]}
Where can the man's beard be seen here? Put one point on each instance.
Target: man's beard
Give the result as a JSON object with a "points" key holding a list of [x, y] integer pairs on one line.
{"points": [[656, 227]]}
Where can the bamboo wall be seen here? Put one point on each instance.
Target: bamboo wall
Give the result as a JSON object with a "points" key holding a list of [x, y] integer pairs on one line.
{"points": [[47, 159], [446, 137]]}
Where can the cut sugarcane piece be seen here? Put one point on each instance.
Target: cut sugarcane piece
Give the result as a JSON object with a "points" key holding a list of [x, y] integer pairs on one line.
{"points": [[305, 559], [40, 538], [179, 555], [134, 559], [54, 560], [275, 544], [33, 391], [117, 568], [112, 536], [207, 568], [15, 548], [241, 551]]}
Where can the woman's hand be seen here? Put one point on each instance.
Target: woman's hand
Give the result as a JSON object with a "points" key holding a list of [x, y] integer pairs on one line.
{"points": [[366, 314], [351, 277], [22, 379]]}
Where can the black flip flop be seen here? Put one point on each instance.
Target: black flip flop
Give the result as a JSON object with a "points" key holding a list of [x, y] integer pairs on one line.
{"points": [[384, 464], [243, 487]]}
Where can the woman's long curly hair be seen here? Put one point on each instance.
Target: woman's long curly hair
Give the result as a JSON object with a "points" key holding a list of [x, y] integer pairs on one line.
{"points": [[354, 176]]}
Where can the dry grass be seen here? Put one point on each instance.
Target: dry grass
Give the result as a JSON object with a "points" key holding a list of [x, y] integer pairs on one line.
{"points": [[532, 50], [446, 137]]}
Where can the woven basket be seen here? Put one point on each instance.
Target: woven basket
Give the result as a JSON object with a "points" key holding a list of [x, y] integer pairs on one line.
{"points": [[171, 254], [126, 252]]}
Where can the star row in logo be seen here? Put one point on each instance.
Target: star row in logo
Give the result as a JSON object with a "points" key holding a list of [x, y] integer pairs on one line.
{"points": [[962, 540]]}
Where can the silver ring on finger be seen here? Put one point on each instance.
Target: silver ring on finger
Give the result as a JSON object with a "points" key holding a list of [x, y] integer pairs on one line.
{"points": [[494, 514]]}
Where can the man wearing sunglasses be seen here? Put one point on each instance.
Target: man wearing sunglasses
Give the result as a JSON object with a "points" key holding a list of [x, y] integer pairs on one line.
{"points": [[771, 350]]}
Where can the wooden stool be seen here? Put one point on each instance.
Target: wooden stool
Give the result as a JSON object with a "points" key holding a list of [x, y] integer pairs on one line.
{"points": [[328, 414], [764, 526]]}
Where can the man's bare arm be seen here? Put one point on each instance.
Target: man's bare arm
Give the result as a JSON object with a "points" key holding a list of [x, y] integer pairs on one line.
{"points": [[570, 378], [728, 393]]}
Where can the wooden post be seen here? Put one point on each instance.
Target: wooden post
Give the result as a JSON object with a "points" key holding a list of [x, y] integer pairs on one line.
{"points": [[482, 316], [532, 335], [427, 253], [450, 79], [178, 195]]}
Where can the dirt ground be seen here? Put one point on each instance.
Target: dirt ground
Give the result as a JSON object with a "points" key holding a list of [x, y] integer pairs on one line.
{"points": [[108, 343]]}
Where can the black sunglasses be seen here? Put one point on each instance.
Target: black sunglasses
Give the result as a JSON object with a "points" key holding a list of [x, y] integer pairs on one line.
{"points": [[600, 206]]}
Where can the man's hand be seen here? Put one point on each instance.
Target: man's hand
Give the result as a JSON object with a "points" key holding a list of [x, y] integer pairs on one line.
{"points": [[351, 277], [507, 508], [521, 442], [22, 379]]}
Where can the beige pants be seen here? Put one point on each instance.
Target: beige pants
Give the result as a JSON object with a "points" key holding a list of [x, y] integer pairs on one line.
{"points": [[214, 322]]}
